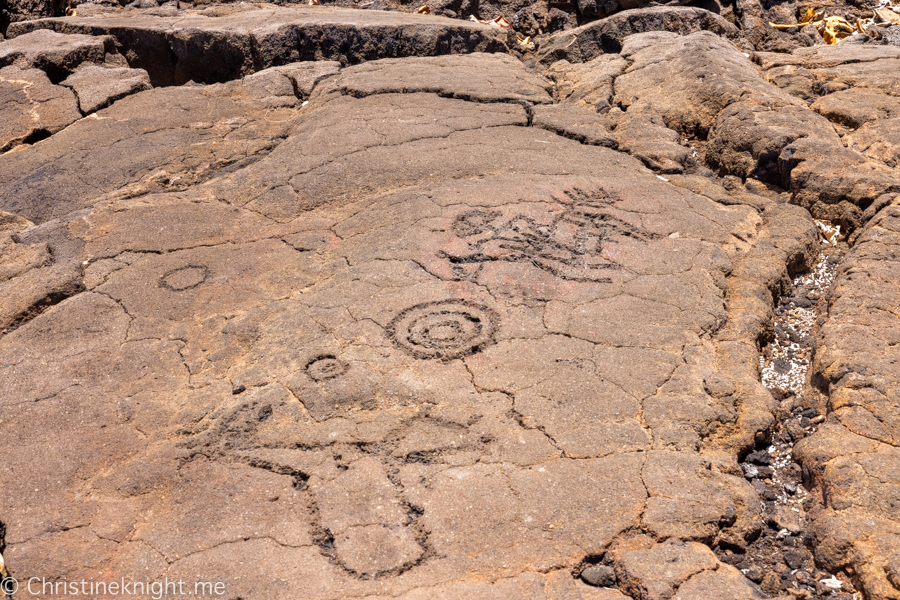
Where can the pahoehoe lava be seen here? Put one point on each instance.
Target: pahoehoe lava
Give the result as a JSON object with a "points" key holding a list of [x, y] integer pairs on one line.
{"points": [[372, 300]]}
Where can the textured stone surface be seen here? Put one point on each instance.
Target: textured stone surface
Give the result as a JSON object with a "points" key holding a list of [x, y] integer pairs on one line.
{"points": [[855, 107], [224, 45], [54, 53], [31, 107], [854, 456], [575, 122], [585, 43], [441, 326], [656, 572], [646, 137], [98, 87], [22, 10], [587, 84], [700, 74], [440, 343], [879, 141], [157, 140], [481, 78], [701, 87], [855, 87]]}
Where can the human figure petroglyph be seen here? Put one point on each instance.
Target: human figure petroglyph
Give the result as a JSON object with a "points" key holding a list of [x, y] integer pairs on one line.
{"points": [[569, 245]]}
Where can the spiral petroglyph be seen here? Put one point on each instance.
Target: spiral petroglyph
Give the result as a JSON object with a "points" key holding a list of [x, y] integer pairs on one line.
{"points": [[445, 330]]}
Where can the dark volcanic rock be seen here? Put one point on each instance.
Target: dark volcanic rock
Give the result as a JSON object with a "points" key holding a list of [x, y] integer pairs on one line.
{"points": [[152, 141], [859, 84], [599, 575], [54, 53], [575, 122], [606, 35], [32, 108], [447, 315], [855, 107], [688, 80], [98, 87], [23, 10], [371, 338], [481, 77], [587, 84], [854, 454], [878, 141], [210, 49], [647, 138], [593, 9], [748, 138]]}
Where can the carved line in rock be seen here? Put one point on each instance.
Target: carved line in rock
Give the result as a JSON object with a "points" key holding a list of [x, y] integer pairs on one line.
{"points": [[569, 247], [391, 547], [184, 278], [326, 367], [446, 329]]}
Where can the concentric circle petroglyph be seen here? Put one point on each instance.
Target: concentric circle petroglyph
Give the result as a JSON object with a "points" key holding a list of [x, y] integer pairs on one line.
{"points": [[446, 329]]}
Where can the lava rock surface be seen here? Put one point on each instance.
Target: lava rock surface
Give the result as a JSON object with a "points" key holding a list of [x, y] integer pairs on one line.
{"points": [[324, 302]]}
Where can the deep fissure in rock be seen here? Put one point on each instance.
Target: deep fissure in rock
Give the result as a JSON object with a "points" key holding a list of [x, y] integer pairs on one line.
{"points": [[781, 558]]}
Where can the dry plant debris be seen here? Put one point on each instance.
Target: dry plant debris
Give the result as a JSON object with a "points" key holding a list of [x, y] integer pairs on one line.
{"points": [[835, 28], [500, 21]]}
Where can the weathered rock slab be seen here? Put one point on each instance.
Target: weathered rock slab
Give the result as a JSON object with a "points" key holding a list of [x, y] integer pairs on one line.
{"points": [[407, 339], [211, 49], [480, 78], [97, 87], [55, 54], [153, 141], [699, 75], [854, 456], [879, 140], [575, 122], [421, 322], [31, 107], [585, 43], [855, 107]]}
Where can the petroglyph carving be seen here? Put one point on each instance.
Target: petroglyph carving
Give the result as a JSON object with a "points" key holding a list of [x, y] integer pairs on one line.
{"points": [[326, 367], [570, 245], [184, 278], [446, 329]]}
